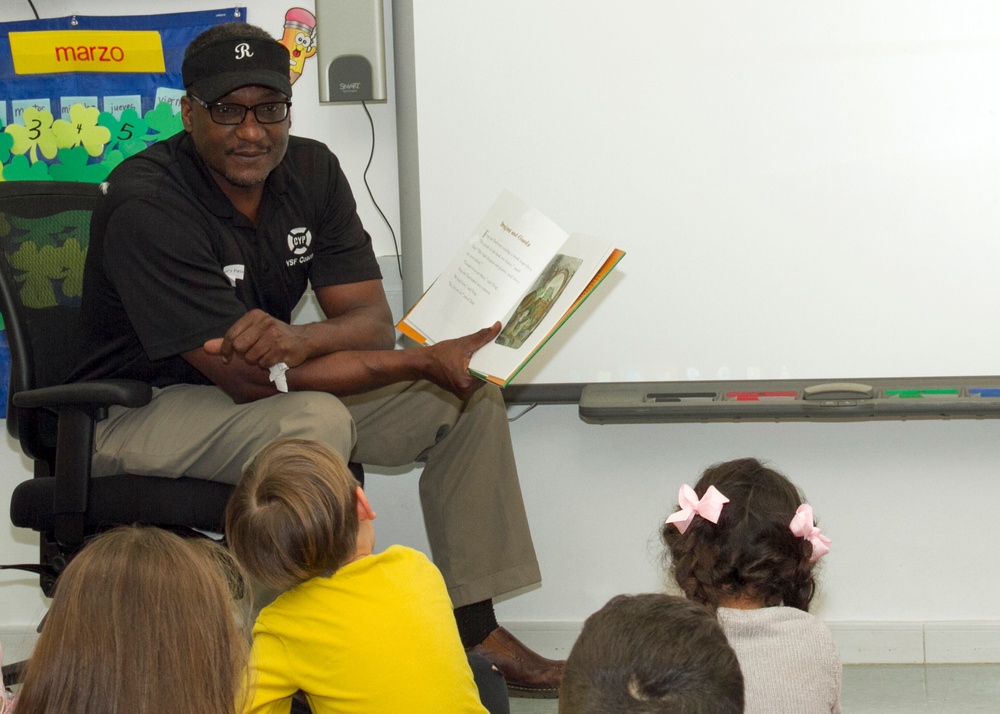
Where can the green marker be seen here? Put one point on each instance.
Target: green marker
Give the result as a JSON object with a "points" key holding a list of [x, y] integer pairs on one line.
{"points": [[921, 393]]}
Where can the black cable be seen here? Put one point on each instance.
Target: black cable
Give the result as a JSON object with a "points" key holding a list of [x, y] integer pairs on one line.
{"points": [[32, 6], [522, 413], [399, 261]]}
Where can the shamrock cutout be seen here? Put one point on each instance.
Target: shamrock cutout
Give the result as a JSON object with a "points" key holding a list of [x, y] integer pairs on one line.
{"points": [[111, 159], [164, 121], [127, 133], [73, 166], [20, 170], [34, 136], [6, 142], [81, 130]]}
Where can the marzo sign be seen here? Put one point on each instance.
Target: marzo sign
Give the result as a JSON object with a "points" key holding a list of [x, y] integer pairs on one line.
{"points": [[44, 52]]}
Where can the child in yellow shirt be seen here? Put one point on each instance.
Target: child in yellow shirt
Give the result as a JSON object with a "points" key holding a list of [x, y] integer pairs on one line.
{"points": [[354, 630]]}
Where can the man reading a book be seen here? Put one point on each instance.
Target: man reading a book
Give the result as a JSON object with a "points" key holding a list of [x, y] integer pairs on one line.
{"points": [[201, 247]]}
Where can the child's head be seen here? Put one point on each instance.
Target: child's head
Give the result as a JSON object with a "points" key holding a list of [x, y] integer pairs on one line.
{"points": [[647, 654], [142, 620], [293, 516], [752, 552]]}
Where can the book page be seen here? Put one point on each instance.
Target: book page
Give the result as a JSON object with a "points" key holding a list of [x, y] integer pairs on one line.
{"points": [[539, 311], [508, 250]]}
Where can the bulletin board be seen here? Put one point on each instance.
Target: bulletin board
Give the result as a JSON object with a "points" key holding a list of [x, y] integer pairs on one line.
{"points": [[80, 94]]}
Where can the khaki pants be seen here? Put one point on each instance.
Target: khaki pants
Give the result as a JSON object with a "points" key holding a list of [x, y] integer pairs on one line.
{"points": [[469, 492]]}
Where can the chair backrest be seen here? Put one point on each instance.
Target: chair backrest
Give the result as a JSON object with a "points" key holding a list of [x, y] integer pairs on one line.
{"points": [[44, 236]]}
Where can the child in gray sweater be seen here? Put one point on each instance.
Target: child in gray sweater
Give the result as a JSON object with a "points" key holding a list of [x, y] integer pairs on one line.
{"points": [[743, 543]]}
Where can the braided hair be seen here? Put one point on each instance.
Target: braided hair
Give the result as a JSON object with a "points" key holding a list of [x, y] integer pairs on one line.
{"points": [[750, 553]]}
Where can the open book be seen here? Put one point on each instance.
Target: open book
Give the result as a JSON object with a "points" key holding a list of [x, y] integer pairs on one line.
{"points": [[519, 268]]}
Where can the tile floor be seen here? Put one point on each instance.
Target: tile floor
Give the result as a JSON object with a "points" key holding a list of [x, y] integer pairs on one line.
{"points": [[889, 689]]}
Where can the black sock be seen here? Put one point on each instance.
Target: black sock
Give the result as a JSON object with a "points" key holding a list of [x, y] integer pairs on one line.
{"points": [[475, 622]]}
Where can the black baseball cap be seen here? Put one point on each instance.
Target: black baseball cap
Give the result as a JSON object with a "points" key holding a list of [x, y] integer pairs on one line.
{"points": [[218, 69]]}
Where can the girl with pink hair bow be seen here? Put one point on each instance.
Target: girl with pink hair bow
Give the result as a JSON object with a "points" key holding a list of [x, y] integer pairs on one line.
{"points": [[743, 543]]}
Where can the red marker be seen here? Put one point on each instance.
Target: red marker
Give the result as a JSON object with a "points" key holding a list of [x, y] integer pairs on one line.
{"points": [[757, 396]]}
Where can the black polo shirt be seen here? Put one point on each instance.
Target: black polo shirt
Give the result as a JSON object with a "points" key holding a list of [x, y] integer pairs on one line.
{"points": [[172, 264]]}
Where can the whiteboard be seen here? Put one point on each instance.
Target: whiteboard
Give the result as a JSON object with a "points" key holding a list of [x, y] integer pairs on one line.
{"points": [[804, 189]]}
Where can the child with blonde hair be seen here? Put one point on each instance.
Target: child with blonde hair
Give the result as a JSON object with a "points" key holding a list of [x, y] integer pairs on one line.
{"points": [[142, 621], [743, 543], [356, 631]]}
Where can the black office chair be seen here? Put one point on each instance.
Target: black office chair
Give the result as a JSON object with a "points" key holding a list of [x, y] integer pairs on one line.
{"points": [[44, 236]]}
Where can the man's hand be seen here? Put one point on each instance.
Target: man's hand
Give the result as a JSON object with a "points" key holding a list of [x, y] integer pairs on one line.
{"points": [[263, 341], [446, 364], [449, 366]]}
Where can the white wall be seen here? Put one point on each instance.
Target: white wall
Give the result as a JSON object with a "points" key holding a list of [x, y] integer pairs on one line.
{"points": [[21, 601], [910, 506]]}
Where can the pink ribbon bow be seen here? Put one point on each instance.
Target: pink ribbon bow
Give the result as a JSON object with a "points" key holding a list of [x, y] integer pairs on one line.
{"points": [[803, 526], [708, 507]]}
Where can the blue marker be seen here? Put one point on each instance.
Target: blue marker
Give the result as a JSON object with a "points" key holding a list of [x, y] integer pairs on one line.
{"points": [[985, 392]]}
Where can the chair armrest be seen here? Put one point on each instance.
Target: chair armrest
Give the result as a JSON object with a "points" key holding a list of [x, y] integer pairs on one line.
{"points": [[77, 408], [88, 396]]}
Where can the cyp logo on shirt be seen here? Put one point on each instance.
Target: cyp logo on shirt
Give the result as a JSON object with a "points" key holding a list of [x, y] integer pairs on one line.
{"points": [[299, 240]]}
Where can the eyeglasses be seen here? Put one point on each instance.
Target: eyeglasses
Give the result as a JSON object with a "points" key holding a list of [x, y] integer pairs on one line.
{"points": [[233, 114]]}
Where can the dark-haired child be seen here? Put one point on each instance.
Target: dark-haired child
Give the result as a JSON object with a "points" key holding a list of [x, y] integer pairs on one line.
{"points": [[651, 654], [357, 632], [743, 543]]}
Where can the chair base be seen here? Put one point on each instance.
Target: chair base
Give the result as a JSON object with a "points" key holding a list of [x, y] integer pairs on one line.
{"points": [[13, 673]]}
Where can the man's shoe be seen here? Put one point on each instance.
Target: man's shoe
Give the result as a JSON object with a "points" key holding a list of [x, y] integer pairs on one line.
{"points": [[528, 674]]}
